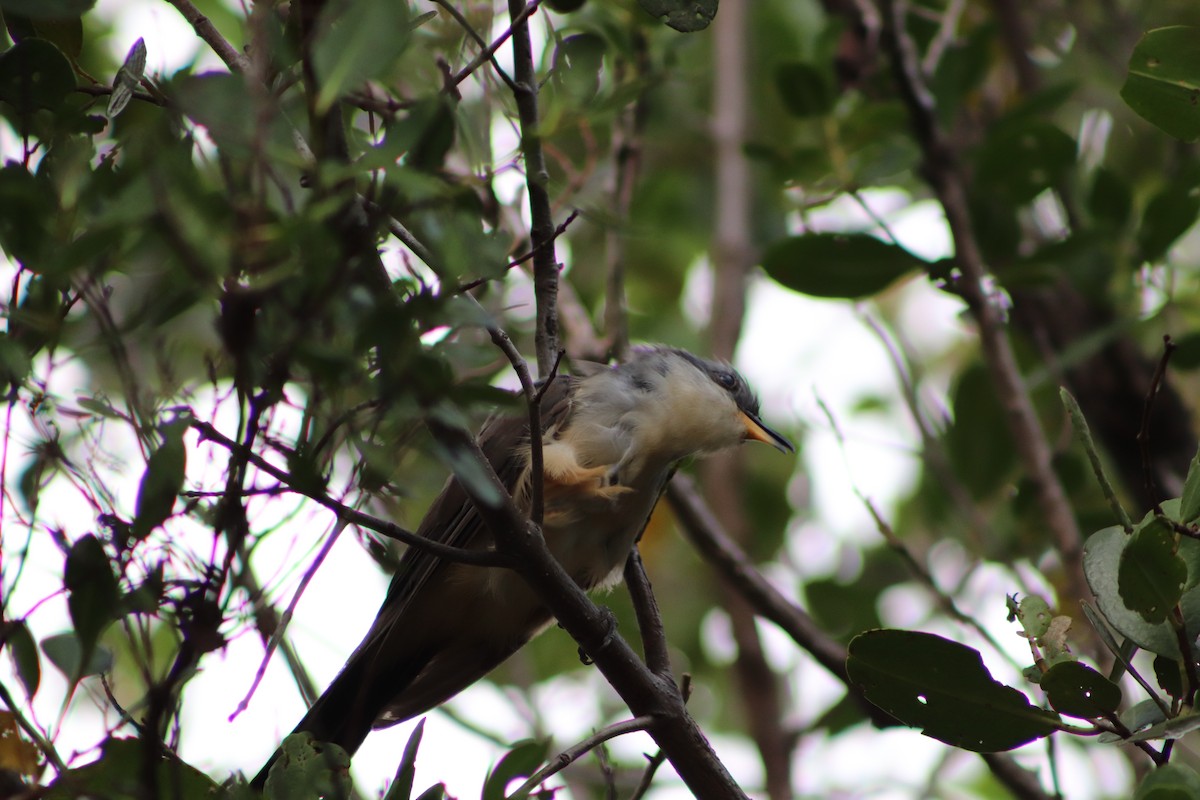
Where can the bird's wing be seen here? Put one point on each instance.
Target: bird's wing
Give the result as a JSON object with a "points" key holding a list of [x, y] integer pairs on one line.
{"points": [[452, 518]]}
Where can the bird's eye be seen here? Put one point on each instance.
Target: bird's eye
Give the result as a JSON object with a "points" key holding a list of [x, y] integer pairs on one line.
{"points": [[726, 379]]}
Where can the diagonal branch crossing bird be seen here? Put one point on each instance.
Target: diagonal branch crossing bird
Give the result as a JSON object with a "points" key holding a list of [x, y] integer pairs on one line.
{"points": [[611, 438]]}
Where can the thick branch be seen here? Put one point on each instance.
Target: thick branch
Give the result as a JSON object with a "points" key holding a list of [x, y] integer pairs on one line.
{"points": [[941, 170]]}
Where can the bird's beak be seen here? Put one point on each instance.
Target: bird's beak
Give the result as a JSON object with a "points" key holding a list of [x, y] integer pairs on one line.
{"points": [[759, 432]]}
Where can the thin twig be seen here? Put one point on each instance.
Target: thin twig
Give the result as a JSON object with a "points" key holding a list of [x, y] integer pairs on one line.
{"points": [[486, 558], [575, 751], [541, 229], [649, 618], [277, 635], [1143, 436], [943, 173], [488, 52], [558, 231], [43, 744], [202, 25], [1079, 423]]}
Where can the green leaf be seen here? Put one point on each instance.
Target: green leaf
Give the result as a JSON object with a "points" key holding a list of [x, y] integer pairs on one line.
{"points": [[977, 444], [35, 74], [24, 653], [308, 768], [1170, 729], [1189, 504], [520, 762], [1137, 717], [66, 653], [1109, 201], [120, 770], [401, 788], [685, 16], [851, 265], [161, 482], [1102, 555], [1163, 85], [1022, 161], [1151, 575], [1168, 215], [1167, 672], [1077, 690], [30, 206], [804, 89], [943, 687], [92, 591], [358, 40], [47, 9], [64, 33], [1173, 781]]}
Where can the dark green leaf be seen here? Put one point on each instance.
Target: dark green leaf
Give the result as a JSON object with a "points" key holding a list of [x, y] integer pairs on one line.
{"points": [[14, 362], [1187, 351], [1077, 690], [804, 89], [219, 101], [66, 653], [120, 770], [943, 687], [1163, 85], [1189, 504], [1168, 215], [25, 655], [520, 762], [1102, 557], [1022, 161], [161, 482], [401, 788], [686, 16], [357, 40], [47, 9], [977, 444], [850, 266], [1167, 672], [91, 590], [1169, 782], [35, 74], [1151, 575], [578, 60], [30, 205], [435, 792], [1109, 201], [66, 33]]}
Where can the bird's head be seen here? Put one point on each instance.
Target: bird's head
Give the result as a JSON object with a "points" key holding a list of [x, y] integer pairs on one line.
{"points": [[669, 404]]}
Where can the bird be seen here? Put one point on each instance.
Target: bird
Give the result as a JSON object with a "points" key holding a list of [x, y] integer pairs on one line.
{"points": [[612, 437]]}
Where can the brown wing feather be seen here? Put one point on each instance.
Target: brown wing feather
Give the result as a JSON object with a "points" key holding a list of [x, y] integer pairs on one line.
{"points": [[399, 645]]}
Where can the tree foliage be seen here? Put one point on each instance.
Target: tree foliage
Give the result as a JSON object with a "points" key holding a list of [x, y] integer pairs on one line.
{"points": [[257, 299]]}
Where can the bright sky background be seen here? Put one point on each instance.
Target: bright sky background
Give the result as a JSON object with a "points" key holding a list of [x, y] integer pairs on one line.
{"points": [[796, 351]]}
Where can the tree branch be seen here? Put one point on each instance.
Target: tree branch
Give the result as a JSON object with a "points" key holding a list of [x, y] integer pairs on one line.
{"points": [[541, 231], [942, 172]]}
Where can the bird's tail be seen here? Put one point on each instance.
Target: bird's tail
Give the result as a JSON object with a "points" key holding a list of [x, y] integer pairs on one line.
{"points": [[346, 711]]}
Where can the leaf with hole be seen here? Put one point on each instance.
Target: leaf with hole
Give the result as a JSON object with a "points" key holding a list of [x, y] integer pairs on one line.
{"points": [[943, 687], [685, 16], [1077, 690]]}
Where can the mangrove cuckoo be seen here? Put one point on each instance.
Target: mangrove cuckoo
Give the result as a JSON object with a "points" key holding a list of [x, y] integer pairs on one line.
{"points": [[611, 438]]}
